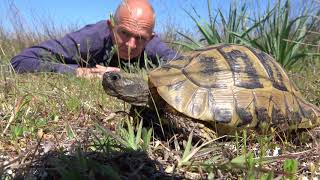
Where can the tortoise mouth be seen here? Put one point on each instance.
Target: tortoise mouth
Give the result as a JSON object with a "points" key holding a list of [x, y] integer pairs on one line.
{"points": [[111, 92]]}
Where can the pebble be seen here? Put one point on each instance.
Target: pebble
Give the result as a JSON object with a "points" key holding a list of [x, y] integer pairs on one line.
{"points": [[169, 169], [9, 171]]}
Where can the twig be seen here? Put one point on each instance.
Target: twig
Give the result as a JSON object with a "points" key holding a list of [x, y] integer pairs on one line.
{"points": [[14, 113], [23, 156], [291, 155], [4, 166], [2, 50], [36, 148]]}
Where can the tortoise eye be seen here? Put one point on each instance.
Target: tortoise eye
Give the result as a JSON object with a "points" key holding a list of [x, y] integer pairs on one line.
{"points": [[114, 77]]}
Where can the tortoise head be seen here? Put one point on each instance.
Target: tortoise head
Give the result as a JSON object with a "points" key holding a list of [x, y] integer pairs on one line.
{"points": [[126, 86]]}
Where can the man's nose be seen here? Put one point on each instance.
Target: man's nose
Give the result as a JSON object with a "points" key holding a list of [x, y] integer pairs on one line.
{"points": [[131, 43]]}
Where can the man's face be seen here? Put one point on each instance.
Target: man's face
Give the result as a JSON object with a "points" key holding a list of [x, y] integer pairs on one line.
{"points": [[132, 31], [130, 39]]}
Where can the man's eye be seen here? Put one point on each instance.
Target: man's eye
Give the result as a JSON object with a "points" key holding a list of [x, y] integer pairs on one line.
{"points": [[125, 33]]}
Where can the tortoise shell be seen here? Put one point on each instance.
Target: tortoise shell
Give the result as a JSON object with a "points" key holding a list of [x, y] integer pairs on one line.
{"points": [[233, 85]]}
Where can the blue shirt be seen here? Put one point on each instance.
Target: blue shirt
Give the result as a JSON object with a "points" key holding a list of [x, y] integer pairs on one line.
{"points": [[86, 47]]}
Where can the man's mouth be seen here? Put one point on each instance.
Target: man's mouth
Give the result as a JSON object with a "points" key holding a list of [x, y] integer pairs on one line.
{"points": [[124, 54]]}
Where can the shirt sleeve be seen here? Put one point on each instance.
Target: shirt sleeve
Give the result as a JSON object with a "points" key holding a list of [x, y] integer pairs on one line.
{"points": [[64, 55], [157, 50]]}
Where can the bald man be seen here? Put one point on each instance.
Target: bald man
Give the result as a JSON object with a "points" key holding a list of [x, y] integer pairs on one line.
{"points": [[105, 46]]}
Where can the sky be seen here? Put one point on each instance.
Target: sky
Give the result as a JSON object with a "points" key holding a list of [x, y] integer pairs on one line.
{"points": [[82, 12]]}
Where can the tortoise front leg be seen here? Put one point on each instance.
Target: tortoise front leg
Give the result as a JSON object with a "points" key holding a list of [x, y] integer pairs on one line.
{"points": [[184, 125]]}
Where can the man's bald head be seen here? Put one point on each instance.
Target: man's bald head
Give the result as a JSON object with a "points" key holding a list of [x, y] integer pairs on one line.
{"points": [[138, 10]]}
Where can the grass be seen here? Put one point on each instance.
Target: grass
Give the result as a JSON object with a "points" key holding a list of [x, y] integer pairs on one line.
{"points": [[55, 126], [305, 75], [60, 126]]}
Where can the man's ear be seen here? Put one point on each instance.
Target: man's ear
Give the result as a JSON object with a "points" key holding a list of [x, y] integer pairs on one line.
{"points": [[110, 24]]}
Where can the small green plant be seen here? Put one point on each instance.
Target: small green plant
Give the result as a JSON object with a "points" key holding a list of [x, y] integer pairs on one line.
{"points": [[16, 131], [251, 164], [134, 141], [220, 28], [290, 166], [128, 138], [267, 176], [187, 153], [146, 137]]}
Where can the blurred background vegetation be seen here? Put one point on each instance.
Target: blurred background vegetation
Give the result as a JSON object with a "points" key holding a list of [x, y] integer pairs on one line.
{"points": [[289, 33]]}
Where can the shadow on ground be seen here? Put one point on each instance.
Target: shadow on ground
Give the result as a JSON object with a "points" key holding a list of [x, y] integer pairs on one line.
{"points": [[90, 165]]}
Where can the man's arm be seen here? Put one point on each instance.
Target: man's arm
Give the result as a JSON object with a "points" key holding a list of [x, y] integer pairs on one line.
{"points": [[66, 54], [156, 48]]}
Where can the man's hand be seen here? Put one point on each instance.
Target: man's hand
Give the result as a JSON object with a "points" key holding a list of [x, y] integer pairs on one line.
{"points": [[97, 71]]}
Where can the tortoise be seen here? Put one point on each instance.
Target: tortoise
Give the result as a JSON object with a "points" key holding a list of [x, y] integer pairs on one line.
{"points": [[218, 89]]}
